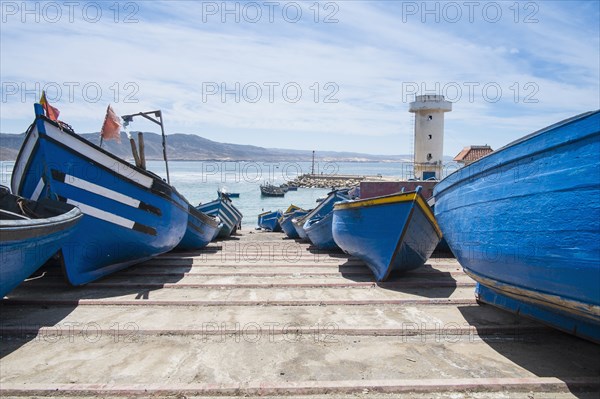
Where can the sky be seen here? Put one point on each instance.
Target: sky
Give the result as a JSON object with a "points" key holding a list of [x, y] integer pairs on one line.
{"points": [[315, 75]]}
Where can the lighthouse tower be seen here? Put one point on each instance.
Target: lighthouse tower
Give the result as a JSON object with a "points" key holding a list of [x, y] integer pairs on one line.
{"points": [[429, 134]]}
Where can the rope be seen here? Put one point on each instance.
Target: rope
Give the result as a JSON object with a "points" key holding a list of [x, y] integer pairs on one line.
{"points": [[26, 210]]}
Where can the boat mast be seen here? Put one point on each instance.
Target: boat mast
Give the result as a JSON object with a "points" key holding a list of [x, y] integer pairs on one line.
{"points": [[156, 117]]}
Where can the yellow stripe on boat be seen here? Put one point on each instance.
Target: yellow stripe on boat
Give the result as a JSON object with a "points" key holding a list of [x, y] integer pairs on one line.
{"points": [[393, 199], [429, 215], [388, 199]]}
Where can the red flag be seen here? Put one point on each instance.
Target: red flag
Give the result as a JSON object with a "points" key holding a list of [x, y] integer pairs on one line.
{"points": [[111, 129], [51, 112]]}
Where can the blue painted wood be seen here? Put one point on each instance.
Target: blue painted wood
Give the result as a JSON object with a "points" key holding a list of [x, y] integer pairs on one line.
{"points": [[201, 229], [319, 231], [287, 225], [270, 220], [27, 243], [224, 209], [389, 237], [114, 232], [525, 223], [320, 211]]}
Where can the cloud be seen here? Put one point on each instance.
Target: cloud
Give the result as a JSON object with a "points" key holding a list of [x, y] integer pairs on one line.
{"points": [[356, 76]]}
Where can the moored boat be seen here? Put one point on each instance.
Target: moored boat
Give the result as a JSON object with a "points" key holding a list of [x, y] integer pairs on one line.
{"points": [[201, 229], [227, 213], [269, 190], [524, 222], [130, 214], [224, 191], [392, 233], [31, 232]]}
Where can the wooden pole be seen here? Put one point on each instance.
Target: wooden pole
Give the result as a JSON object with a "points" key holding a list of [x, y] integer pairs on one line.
{"points": [[134, 151], [142, 150]]}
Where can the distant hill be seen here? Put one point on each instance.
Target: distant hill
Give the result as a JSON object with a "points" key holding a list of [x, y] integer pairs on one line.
{"points": [[191, 147]]}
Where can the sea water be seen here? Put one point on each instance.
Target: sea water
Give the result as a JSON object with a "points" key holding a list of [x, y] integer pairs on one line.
{"points": [[198, 181]]}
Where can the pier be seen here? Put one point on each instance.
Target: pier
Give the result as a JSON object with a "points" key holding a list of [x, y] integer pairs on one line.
{"points": [[260, 315]]}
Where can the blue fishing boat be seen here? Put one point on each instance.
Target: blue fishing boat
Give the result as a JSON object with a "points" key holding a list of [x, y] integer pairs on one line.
{"points": [[223, 191], [130, 214], [286, 221], [31, 232], [524, 222], [201, 229], [227, 213], [319, 231], [392, 233], [317, 225], [270, 220], [298, 223]]}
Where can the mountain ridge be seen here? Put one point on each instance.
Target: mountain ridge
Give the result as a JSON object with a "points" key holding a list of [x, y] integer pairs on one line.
{"points": [[191, 147]]}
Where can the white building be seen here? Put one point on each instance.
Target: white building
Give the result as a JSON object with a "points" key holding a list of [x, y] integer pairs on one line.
{"points": [[429, 135]]}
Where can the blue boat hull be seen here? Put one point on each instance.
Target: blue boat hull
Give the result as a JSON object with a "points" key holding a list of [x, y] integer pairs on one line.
{"points": [[286, 222], [201, 229], [130, 215], [26, 244], [324, 238], [270, 221], [392, 233], [229, 215], [298, 223], [320, 232], [524, 222]]}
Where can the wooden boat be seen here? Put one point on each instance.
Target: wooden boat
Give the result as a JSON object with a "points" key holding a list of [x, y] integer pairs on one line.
{"points": [[223, 191], [269, 190], [298, 223], [288, 187], [130, 214], [317, 225], [270, 220], [227, 213], [524, 222], [319, 231], [285, 221], [392, 233], [201, 230], [31, 232]]}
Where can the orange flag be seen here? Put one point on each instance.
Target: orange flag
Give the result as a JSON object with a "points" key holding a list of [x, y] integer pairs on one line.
{"points": [[51, 112], [111, 129]]}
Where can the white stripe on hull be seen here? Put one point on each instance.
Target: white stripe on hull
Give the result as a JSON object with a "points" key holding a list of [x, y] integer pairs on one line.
{"points": [[103, 215], [38, 190], [119, 167], [102, 191], [19, 168]]}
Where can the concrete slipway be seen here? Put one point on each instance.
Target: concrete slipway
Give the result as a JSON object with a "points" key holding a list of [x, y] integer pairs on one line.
{"points": [[259, 315]]}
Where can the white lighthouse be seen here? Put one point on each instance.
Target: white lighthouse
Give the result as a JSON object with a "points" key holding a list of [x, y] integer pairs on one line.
{"points": [[429, 135]]}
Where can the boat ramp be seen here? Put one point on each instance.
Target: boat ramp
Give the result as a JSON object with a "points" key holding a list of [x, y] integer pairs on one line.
{"points": [[259, 315]]}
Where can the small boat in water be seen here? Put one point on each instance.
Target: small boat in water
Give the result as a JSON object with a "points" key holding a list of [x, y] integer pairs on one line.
{"points": [[270, 220], [269, 190], [288, 187], [524, 222], [31, 232], [130, 214], [228, 214], [223, 191], [317, 225], [201, 230], [392, 233]]}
